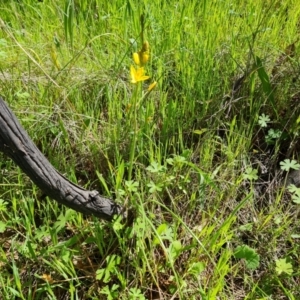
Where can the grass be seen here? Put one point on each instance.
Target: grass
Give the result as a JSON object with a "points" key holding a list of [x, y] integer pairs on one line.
{"points": [[193, 160]]}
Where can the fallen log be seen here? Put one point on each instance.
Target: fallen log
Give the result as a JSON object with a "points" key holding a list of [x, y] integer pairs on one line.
{"points": [[15, 143]]}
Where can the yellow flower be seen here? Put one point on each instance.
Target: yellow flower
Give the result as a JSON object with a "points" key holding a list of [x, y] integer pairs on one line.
{"points": [[137, 74], [152, 86]]}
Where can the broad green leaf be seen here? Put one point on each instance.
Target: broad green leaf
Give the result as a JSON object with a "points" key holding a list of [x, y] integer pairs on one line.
{"points": [[295, 236], [196, 268], [162, 228], [175, 249], [249, 254], [2, 226], [200, 131], [246, 227]]}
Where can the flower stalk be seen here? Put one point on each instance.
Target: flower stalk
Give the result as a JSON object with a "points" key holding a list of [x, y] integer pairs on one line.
{"points": [[138, 75]]}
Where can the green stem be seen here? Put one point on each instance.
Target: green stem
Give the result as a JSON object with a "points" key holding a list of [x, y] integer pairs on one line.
{"points": [[134, 135]]}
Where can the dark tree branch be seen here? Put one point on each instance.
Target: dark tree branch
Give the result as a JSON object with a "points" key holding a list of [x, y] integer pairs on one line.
{"points": [[15, 143]]}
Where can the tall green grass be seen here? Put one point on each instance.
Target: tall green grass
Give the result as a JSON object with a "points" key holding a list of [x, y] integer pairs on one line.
{"points": [[64, 70]]}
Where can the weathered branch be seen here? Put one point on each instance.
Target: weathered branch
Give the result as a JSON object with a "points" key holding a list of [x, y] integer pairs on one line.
{"points": [[15, 143]]}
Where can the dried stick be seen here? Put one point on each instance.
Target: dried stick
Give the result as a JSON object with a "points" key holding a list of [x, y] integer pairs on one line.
{"points": [[15, 143]]}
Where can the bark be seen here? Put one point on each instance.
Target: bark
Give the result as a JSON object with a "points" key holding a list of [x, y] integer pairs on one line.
{"points": [[15, 143]]}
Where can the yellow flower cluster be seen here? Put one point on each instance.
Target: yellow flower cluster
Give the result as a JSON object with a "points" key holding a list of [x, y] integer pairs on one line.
{"points": [[140, 58]]}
